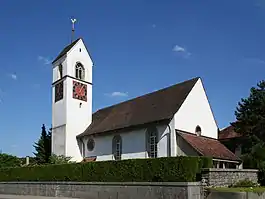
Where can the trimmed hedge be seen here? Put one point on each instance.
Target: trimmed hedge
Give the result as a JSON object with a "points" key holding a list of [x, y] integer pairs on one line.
{"points": [[173, 169]]}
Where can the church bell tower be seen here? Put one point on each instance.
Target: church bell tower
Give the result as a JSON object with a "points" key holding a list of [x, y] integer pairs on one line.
{"points": [[71, 99]]}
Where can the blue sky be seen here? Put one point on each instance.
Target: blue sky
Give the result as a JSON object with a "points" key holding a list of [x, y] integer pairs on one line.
{"points": [[137, 46]]}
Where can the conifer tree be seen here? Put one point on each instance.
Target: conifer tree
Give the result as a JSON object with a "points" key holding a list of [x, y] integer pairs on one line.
{"points": [[250, 122], [43, 147], [250, 113]]}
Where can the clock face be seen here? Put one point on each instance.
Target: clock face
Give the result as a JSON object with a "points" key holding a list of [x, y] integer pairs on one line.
{"points": [[79, 91], [59, 91]]}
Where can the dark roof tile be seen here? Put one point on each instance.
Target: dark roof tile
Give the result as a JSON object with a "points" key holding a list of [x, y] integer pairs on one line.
{"points": [[153, 107]]}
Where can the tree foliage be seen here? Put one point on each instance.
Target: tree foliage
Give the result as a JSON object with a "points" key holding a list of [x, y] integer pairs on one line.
{"points": [[54, 159], [250, 122], [250, 113], [7, 160], [43, 147]]}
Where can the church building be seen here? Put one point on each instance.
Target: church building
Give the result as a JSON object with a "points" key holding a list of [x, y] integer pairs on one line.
{"points": [[173, 121]]}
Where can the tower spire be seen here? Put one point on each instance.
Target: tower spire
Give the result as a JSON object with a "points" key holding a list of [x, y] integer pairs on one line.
{"points": [[73, 29]]}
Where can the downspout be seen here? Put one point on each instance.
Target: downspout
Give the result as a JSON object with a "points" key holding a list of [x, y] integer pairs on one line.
{"points": [[169, 140]]}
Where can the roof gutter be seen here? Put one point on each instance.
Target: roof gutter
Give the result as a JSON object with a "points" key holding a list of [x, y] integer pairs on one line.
{"points": [[124, 129], [225, 160]]}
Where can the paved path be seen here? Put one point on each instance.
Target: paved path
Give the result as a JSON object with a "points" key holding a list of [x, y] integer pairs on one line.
{"points": [[28, 197]]}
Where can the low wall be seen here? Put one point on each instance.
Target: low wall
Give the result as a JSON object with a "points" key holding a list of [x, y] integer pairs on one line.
{"points": [[235, 195], [225, 177], [133, 190]]}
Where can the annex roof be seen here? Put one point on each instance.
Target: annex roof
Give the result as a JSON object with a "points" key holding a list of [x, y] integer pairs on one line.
{"points": [[208, 147]]}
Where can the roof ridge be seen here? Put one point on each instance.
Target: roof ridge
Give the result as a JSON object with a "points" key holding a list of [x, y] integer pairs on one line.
{"points": [[181, 131], [222, 130], [147, 94], [66, 49]]}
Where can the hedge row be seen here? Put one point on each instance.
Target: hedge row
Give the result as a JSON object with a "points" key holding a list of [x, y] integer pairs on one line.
{"points": [[177, 169]]}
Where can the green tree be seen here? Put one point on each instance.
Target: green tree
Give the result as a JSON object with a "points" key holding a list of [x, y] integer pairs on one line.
{"points": [[250, 122], [54, 159], [43, 147], [250, 113], [7, 160]]}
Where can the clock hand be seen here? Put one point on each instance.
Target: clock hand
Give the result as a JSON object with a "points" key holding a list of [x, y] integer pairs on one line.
{"points": [[81, 89]]}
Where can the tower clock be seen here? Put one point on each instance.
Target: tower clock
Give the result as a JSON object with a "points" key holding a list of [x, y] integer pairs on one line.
{"points": [[79, 91], [59, 91]]}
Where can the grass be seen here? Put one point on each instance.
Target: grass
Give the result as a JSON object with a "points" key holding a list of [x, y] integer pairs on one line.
{"points": [[240, 189]]}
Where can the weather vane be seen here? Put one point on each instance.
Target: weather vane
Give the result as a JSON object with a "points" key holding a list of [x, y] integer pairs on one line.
{"points": [[73, 29]]}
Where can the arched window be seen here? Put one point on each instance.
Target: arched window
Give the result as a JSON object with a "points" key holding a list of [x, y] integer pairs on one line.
{"points": [[79, 71], [151, 141], [198, 130], [117, 147], [83, 149]]}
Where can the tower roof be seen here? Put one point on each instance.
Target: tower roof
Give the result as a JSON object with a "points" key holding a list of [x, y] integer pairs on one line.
{"points": [[65, 50]]}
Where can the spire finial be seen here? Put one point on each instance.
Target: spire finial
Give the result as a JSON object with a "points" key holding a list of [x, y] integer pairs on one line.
{"points": [[73, 20]]}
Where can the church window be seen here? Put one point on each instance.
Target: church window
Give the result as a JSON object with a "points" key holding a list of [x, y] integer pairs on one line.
{"points": [[60, 71], [152, 140], [117, 147], [79, 71], [83, 149], [90, 144], [198, 130]]}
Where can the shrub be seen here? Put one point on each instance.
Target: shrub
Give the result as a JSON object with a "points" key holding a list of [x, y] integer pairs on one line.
{"points": [[261, 176], [9, 161], [59, 159], [178, 169], [244, 183]]}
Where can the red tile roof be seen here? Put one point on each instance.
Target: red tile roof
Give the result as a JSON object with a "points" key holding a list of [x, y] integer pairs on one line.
{"points": [[208, 147], [89, 159], [228, 133]]}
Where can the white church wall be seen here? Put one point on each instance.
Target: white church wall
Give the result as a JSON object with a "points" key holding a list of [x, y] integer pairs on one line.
{"points": [[79, 113], [78, 119], [195, 111], [163, 141], [133, 145], [59, 109], [79, 54], [172, 138], [58, 136], [55, 69]]}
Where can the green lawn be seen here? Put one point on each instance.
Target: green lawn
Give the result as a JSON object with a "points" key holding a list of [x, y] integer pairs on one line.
{"points": [[240, 189]]}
